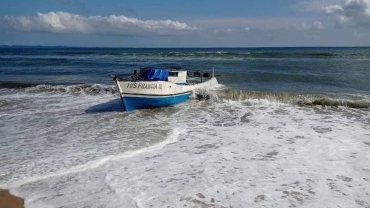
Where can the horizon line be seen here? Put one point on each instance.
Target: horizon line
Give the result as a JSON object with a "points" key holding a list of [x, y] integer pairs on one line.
{"points": [[63, 46]]}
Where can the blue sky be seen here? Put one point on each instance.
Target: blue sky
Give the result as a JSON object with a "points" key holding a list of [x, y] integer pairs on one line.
{"points": [[202, 23]]}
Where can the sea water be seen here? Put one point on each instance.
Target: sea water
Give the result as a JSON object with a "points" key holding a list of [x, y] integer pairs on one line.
{"points": [[286, 127]]}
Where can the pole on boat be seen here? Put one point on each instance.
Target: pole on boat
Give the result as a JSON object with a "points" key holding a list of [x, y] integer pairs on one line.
{"points": [[115, 79]]}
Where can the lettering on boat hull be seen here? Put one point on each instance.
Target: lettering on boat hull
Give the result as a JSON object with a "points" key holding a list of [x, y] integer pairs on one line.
{"points": [[138, 85]]}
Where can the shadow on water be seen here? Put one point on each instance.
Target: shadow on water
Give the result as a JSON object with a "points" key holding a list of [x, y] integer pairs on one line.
{"points": [[110, 106]]}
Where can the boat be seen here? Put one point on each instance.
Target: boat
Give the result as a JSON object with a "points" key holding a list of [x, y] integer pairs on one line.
{"points": [[159, 87]]}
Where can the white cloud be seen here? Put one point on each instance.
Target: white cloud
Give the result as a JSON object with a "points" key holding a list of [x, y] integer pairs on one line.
{"points": [[63, 22], [360, 35], [332, 9], [350, 12], [239, 24], [314, 6], [251, 25], [305, 26]]}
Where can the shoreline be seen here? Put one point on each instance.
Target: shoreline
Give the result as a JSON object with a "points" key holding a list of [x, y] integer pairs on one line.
{"points": [[8, 200]]}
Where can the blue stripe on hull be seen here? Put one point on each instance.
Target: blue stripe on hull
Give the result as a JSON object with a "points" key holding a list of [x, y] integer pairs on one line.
{"points": [[132, 103]]}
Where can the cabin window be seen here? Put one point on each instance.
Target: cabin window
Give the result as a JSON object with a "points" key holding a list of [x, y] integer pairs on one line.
{"points": [[173, 74]]}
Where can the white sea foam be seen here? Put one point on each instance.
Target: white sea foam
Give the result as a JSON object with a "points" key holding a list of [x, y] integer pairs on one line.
{"points": [[82, 89], [226, 154], [50, 134], [172, 138], [254, 157]]}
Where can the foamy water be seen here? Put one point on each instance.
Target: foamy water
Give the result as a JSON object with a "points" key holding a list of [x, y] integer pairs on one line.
{"points": [[66, 149]]}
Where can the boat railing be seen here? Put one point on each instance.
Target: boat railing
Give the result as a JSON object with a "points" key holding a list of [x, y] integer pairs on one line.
{"points": [[192, 74]]}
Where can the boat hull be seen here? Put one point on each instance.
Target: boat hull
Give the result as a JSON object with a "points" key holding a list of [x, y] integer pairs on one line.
{"points": [[132, 102], [152, 94]]}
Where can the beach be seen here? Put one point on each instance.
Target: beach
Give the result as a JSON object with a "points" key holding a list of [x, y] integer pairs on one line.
{"points": [[9, 201]]}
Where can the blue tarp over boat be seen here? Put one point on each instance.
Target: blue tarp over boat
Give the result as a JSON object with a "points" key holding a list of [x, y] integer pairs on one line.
{"points": [[155, 75]]}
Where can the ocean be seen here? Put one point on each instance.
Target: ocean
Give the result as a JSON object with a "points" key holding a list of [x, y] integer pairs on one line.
{"points": [[286, 127]]}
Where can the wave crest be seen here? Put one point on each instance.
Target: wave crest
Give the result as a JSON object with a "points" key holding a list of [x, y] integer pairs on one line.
{"points": [[216, 95], [253, 97], [84, 89]]}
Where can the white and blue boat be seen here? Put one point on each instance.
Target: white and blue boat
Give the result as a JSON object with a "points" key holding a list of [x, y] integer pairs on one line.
{"points": [[155, 87]]}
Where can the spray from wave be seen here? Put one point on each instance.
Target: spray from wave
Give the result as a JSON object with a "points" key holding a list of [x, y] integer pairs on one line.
{"points": [[79, 89], [84, 89], [255, 98]]}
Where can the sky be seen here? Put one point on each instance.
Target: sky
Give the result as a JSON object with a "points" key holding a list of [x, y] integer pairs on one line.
{"points": [[191, 23]]}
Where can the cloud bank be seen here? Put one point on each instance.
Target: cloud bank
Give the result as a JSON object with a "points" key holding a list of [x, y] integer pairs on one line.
{"points": [[250, 25], [351, 13], [64, 22], [313, 6]]}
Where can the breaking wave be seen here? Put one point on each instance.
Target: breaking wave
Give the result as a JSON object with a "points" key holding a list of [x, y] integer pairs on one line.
{"points": [[247, 97], [253, 98], [85, 89], [79, 89]]}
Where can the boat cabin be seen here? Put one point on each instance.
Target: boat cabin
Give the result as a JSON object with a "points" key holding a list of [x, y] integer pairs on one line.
{"points": [[152, 74], [177, 77]]}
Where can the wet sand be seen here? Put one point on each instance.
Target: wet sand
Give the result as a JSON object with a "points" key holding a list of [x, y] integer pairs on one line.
{"points": [[9, 201]]}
